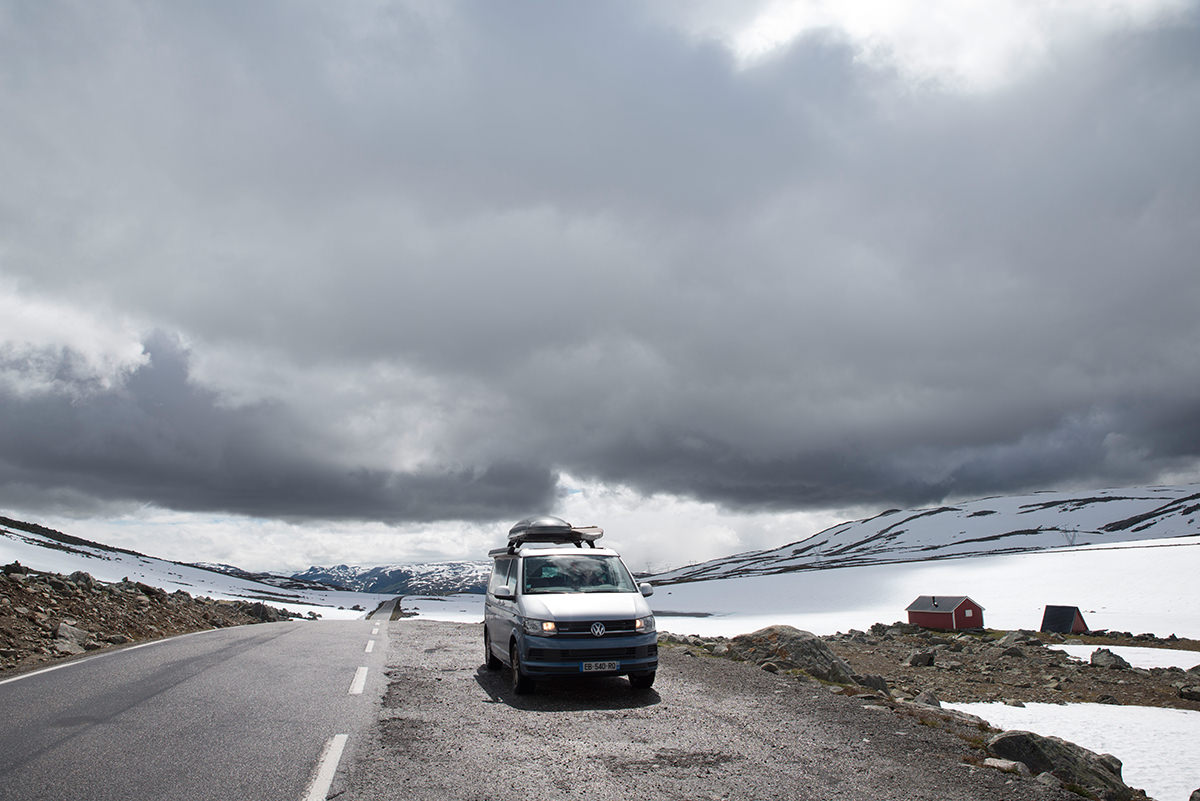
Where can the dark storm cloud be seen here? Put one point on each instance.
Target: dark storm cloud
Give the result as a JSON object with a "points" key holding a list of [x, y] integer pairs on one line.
{"points": [[807, 283], [160, 439]]}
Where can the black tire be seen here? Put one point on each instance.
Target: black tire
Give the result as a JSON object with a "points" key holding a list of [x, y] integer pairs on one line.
{"points": [[521, 683], [489, 659], [641, 681]]}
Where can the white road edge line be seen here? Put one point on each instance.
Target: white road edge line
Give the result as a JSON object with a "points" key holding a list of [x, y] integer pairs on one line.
{"points": [[326, 768], [370, 646], [360, 681], [103, 654]]}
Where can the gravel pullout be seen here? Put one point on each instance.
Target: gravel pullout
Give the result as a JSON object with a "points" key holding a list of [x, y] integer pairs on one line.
{"points": [[710, 729]]}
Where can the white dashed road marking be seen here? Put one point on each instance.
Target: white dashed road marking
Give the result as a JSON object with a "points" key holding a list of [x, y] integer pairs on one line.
{"points": [[370, 646], [326, 768], [360, 681]]}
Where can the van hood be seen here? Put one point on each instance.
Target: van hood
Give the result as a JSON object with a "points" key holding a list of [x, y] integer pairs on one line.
{"points": [[585, 606]]}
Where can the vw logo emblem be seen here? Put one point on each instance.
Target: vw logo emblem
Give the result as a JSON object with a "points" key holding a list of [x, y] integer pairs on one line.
{"points": [[597, 629]]}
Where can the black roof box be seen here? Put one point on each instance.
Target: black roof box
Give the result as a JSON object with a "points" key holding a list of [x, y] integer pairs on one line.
{"points": [[546, 528]]}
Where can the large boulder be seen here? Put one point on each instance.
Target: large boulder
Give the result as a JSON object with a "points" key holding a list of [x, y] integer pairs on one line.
{"points": [[1070, 763], [82, 579], [1102, 657], [790, 647]]}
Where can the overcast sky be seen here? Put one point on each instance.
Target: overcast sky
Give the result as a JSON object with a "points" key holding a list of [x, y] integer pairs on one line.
{"points": [[308, 282]]}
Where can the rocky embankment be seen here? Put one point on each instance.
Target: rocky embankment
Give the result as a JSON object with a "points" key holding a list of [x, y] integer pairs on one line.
{"points": [[1017, 667], [910, 671], [49, 616]]}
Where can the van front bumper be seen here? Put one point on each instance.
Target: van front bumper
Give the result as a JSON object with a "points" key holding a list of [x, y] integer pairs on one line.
{"points": [[565, 656]]}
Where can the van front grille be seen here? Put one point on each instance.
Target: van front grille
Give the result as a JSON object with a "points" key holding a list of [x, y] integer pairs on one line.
{"points": [[571, 654]]}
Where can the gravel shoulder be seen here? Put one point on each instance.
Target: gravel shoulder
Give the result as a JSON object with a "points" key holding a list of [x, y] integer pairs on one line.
{"points": [[711, 728]]}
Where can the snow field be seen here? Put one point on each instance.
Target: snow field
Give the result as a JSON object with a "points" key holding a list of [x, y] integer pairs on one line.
{"points": [[1156, 746]]}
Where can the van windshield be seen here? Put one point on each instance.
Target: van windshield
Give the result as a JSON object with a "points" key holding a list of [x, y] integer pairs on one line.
{"points": [[557, 573]]}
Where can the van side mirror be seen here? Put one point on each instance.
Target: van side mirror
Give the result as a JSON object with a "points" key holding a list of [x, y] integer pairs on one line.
{"points": [[645, 589], [504, 593]]}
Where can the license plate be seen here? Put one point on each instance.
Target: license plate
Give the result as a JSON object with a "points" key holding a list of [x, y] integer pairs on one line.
{"points": [[600, 667]]}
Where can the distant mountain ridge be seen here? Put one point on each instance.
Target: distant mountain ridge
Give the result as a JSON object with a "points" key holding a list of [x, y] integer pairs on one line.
{"points": [[423, 578], [987, 526], [273, 579]]}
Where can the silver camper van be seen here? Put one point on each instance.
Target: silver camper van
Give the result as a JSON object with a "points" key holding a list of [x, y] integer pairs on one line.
{"points": [[558, 605]]}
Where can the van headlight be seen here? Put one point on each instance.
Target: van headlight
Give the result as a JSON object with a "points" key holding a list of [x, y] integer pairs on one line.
{"points": [[644, 625], [542, 628]]}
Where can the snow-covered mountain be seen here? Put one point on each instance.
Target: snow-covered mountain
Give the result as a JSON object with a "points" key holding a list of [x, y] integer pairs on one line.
{"points": [[988, 526], [428, 578]]}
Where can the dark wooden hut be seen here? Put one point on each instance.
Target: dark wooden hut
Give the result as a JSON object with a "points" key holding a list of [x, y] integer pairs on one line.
{"points": [[1063, 620]]}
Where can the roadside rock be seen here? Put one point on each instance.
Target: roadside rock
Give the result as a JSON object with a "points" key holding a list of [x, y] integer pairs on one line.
{"points": [[1190, 692], [874, 682], [924, 658], [1007, 765], [263, 613], [70, 640], [1072, 764], [789, 647], [1019, 638]]}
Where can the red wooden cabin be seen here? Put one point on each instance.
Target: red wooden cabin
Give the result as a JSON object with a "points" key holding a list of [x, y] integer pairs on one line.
{"points": [[945, 612]]}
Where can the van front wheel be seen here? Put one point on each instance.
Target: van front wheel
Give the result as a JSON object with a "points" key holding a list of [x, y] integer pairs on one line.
{"points": [[641, 681], [521, 683]]}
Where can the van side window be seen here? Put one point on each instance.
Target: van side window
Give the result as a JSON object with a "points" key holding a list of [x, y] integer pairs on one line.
{"points": [[510, 578], [502, 571]]}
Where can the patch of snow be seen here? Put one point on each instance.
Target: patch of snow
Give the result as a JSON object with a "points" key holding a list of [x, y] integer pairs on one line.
{"points": [[1156, 746], [460, 608], [1137, 656]]}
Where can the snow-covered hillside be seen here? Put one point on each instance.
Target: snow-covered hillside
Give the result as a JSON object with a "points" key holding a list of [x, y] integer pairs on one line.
{"points": [[428, 578], [274, 579], [989, 526], [52, 551], [1147, 586]]}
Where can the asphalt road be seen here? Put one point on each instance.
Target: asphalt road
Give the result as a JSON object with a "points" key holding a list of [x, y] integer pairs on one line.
{"points": [[304, 712], [243, 713], [710, 729]]}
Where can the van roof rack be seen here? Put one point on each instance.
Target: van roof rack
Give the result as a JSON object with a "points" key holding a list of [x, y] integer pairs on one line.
{"points": [[545, 528]]}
